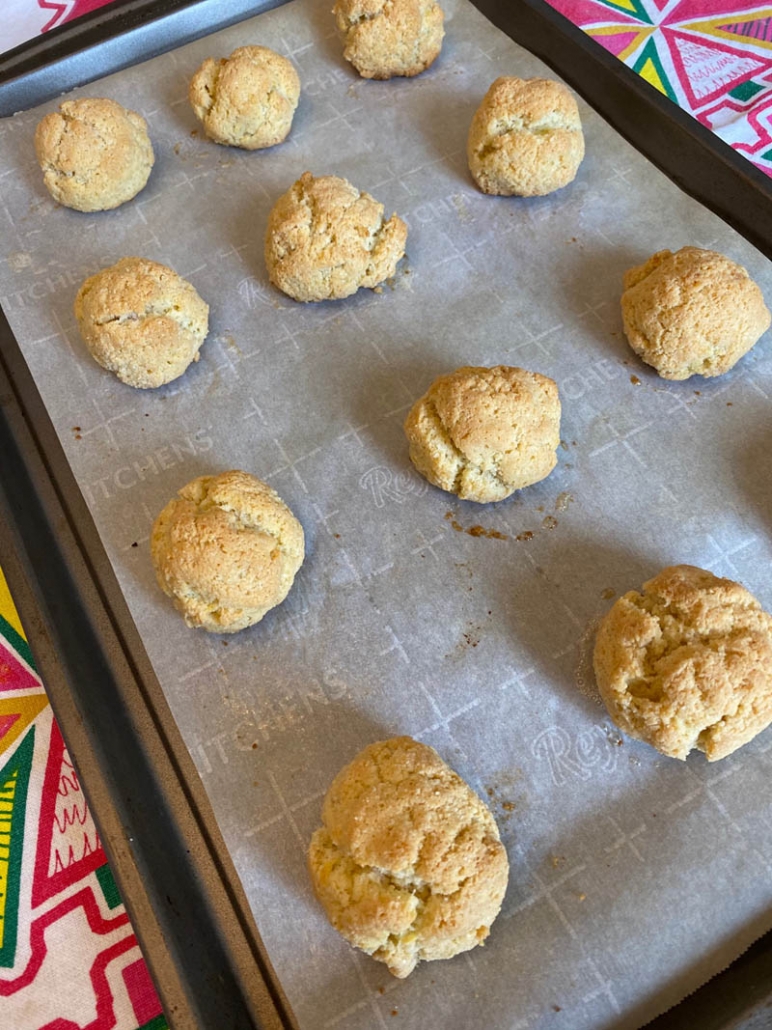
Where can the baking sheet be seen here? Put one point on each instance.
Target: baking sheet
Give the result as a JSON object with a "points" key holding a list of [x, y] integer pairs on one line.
{"points": [[634, 877]]}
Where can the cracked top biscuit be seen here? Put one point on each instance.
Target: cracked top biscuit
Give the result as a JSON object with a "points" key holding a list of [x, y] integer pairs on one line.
{"points": [[226, 550], [692, 312], [246, 100], [482, 433], [325, 239], [142, 321], [408, 865], [95, 154], [386, 38], [525, 139], [687, 663]]}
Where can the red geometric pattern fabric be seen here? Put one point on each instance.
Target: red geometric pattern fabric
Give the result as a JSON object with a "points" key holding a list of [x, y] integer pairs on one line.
{"points": [[711, 57], [69, 959]]}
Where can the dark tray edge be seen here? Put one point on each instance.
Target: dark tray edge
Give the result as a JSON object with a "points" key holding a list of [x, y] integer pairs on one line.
{"points": [[107, 40]]}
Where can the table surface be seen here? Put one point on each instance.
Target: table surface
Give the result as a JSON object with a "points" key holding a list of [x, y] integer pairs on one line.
{"points": [[68, 955]]}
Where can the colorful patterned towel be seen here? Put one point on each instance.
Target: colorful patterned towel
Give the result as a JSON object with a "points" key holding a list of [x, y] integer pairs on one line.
{"points": [[68, 957], [711, 58]]}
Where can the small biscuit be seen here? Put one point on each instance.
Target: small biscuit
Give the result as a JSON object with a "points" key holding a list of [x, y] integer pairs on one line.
{"points": [[246, 100], [687, 663], [325, 239], [226, 551], [408, 864], [694, 312], [142, 321], [385, 38], [95, 154], [525, 138], [483, 433]]}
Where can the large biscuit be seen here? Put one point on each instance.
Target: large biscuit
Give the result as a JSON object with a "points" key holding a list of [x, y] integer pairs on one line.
{"points": [[408, 864], [94, 153], [483, 433], [687, 663], [386, 38], [694, 312], [142, 321], [226, 550], [246, 100], [326, 239], [525, 138]]}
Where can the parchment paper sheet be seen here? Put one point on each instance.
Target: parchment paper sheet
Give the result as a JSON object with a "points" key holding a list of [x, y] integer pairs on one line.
{"points": [[634, 877]]}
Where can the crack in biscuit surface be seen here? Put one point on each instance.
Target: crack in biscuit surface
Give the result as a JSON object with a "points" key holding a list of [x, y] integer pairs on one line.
{"points": [[409, 864], [94, 154], [247, 100], [693, 312], [326, 239], [687, 663], [387, 38], [226, 550], [142, 321], [483, 433], [525, 138]]}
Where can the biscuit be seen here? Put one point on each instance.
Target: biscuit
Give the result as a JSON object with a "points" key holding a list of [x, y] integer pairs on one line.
{"points": [[95, 154], [141, 321], [483, 433], [687, 663], [694, 312], [226, 550], [246, 100], [525, 138], [409, 864], [386, 38], [325, 239]]}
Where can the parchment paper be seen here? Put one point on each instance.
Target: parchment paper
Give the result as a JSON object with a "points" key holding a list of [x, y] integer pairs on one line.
{"points": [[634, 877]]}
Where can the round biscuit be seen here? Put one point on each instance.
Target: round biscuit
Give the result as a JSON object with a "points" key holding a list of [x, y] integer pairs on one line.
{"points": [[408, 865]]}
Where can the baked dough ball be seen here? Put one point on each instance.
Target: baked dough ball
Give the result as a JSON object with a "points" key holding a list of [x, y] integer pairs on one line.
{"points": [[483, 433], [325, 239], [384, 38], [94, 153], [248, 99], [694, 312], [226, 550], [408, 864], [525, 138], [687, 663], [142, 321]]}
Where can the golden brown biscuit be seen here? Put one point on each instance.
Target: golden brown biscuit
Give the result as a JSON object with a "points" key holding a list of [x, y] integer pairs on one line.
{"points": [[525, 138], [694, 312], [408, 864], [142, 321], [687, 663], [325, 239], [226, 550], [483, 433], [248, 99], [385, 38], [94, 153]]}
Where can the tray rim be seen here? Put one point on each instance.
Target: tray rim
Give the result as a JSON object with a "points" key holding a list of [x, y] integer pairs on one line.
{"points": [[108, 39]]}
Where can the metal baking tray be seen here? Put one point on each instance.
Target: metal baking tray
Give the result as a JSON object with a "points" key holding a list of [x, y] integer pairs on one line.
{"points": [[156, 823]]}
